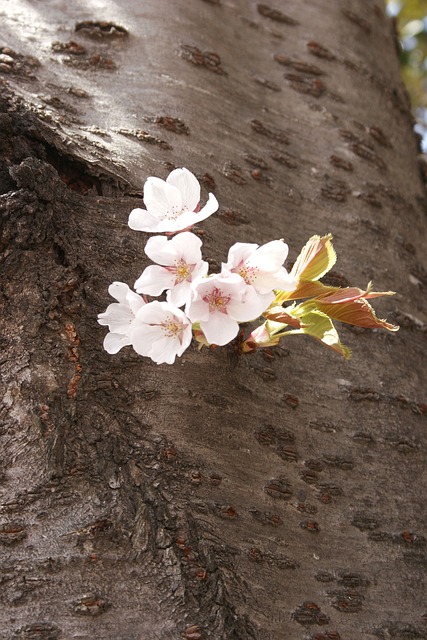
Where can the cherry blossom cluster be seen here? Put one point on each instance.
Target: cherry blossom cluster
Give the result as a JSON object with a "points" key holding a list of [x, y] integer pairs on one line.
{"points": [[252, 283], [210, 305]]}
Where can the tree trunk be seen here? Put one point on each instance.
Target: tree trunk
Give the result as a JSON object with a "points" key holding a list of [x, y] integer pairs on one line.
{"points": [[270, 496]]}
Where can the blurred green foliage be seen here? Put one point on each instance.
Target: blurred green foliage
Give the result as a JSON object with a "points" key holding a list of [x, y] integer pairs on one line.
{"points": [[411, 17]]}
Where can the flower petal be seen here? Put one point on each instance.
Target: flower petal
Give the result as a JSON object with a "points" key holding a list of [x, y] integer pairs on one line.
{"points": [[197, 309], [188, 246], [210, 207], [188, 186], [134, 301], [113, 342], [143, 336], [184, 221], [152, 313], [185, 339], [161, 250], [117, 317], [154, 280], [200, 270], [219, 329], [238, 253], [252, 305], [188, 218], [229, 284], [119, 291], [141, 220], [269, 257], [266, 282], [179, 294], [163, 200], [164, 350]]}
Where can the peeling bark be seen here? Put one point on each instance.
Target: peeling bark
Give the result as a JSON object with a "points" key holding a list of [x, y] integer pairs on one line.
{"points": [[269, 496]]}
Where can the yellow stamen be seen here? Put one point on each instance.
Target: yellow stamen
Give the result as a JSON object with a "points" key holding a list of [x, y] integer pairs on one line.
{"points": [[216, 300], [182, 271], [171, 329]]}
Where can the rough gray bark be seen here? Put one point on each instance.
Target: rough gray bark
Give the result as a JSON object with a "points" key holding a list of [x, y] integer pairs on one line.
{"points": [[274, 496]]}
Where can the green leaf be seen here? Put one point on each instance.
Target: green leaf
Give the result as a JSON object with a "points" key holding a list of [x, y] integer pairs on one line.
{"points": [[316, 258], [357, 312], [334, 295], [348, 294], [319, 326], [281, 315], [304, 289]]}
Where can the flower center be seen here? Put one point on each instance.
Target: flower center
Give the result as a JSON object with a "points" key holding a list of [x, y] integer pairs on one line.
{"points": [[248, 274], [182, 270], [217, 301], [171, 327], [174, 212]]}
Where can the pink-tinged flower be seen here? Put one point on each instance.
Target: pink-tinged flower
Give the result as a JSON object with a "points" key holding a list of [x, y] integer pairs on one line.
{"points": [[161, 332], [172, 205], [181, 260], [119, 316], [261, 267], [219, 302], [262, 336]]}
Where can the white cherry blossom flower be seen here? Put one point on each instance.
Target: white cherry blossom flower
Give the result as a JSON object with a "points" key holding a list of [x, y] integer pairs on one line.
{"points": [[161, 332], [261, 267], [219, 302], [119, 316], [172, 205], [181, 260]]}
